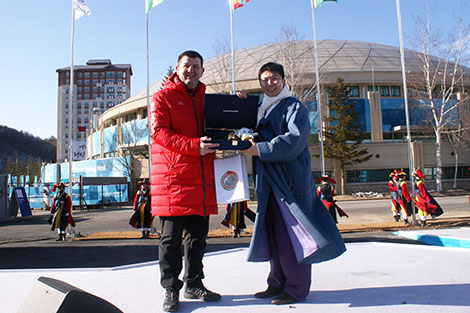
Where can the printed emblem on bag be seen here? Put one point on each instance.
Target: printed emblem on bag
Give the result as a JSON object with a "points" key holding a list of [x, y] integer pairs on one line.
{"points": [[229, 180]]}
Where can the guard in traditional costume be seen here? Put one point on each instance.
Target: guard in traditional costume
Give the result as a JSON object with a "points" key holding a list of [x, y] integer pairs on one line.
{"points": [[326, 192], [393, 186], [235, 217], [61, 211], [404, 198], [142, 217], [424, 201]]}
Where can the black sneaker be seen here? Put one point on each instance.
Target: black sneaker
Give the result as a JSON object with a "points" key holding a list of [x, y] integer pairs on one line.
{"points": [[201, 293], [171, 302], [269, 293]]}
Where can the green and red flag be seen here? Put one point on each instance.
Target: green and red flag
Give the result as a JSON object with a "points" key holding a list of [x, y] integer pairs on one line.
{"points": [[149, 4], [317, 3]]}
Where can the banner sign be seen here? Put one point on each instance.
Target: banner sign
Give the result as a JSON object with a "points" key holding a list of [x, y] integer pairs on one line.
{"points": [[79, 150]]}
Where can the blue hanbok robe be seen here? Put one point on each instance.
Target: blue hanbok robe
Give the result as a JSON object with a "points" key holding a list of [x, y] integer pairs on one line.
{"points": [[283, 168]]}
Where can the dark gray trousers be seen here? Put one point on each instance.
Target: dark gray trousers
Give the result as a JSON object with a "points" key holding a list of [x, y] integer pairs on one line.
{"points": [[195, 228]]}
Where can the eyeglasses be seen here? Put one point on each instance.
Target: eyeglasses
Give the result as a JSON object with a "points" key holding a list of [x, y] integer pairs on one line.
{"points": [[273, 80]]}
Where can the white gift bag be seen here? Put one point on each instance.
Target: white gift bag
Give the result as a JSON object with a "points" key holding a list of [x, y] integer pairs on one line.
{"points": [[231, 179]]}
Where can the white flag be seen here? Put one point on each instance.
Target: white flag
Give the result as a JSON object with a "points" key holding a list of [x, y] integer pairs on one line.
{"points": [[80, 8], [150, 4]]}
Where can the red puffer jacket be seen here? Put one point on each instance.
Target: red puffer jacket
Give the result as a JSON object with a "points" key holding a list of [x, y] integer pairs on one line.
{"points": [[182, 181]]}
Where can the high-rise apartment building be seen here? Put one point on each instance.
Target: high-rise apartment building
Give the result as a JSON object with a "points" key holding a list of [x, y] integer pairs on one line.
{"points": [[98, 86]]}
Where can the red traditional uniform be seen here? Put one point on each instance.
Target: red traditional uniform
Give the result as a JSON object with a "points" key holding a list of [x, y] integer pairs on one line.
{"points": [[393, 186], [424, 201], [404, 198], [61, 210]]}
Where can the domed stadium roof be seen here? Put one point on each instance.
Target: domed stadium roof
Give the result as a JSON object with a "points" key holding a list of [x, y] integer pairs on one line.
{"points": [[334, 56], [355, 61]]}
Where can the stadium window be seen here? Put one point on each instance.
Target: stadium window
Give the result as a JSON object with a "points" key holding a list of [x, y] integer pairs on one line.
{"points": [[395, 91], [353, 91], [384, 91]]}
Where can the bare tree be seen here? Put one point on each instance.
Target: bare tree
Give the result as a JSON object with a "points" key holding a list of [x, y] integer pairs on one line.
{"points": [[134, 140], [221, 67], [459, 136], [295, 59], [131, 148], [440, 60]]}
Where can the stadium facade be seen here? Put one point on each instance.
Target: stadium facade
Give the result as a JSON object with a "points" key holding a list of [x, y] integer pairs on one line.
{"points": [[372, 72]]}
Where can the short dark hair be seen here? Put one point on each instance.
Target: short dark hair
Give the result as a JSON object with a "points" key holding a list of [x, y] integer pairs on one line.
{"points": [[272, 67], [190, 54]]}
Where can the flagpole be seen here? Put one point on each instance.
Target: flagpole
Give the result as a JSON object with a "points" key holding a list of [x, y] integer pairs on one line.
{"points": [[405, 95], [320, 123], [233, 54], [148, 96], [71, 95]]}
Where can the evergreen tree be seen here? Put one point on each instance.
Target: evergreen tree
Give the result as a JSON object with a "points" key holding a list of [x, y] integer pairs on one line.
{"points": [[343, 135], [169, 72]]}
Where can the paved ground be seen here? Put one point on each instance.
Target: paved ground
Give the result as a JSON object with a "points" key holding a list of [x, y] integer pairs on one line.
{"points": [[28, 242]]}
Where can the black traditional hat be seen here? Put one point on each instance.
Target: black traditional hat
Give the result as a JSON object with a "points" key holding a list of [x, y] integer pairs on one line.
{"points": [[326, 178]]}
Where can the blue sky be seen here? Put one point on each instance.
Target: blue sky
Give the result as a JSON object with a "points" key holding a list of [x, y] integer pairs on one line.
{"points": [[35, 39]]}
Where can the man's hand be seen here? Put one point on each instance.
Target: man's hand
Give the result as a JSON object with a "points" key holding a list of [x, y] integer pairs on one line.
{"points": [[242, 94], [205, 147], [253, 150]]}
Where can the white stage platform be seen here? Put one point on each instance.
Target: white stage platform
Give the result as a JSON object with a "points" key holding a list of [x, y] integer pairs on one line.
{"points": [[369, 277]]}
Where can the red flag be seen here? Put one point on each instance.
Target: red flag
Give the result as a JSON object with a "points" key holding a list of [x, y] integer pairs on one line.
{"points": [[239, 3]]}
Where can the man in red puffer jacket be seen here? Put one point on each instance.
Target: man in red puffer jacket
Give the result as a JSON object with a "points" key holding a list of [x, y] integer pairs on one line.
{"points": [[182, 180]]}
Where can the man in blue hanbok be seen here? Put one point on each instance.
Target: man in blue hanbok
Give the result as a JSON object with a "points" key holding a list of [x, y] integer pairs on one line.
{"points": [[292, 227]]}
